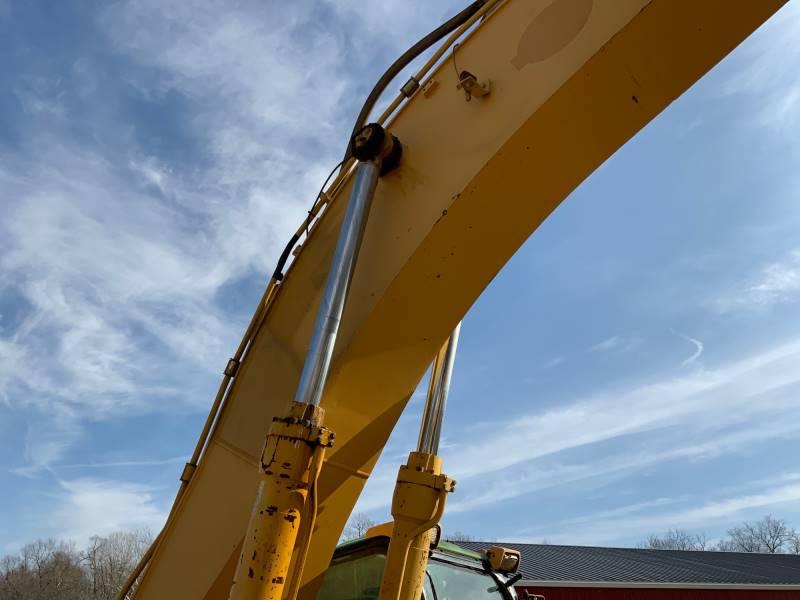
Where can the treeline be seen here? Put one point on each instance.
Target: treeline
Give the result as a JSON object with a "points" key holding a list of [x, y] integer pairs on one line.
{"points": [[58, 570], [768, 536]]}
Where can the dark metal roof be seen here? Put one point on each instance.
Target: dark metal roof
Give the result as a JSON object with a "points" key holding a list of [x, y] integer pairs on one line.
{"points": [[547, 562]]}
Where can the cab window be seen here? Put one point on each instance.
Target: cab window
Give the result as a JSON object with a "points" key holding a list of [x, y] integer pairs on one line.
{"points": [[449, 582], [357, 576], [353, 578]]}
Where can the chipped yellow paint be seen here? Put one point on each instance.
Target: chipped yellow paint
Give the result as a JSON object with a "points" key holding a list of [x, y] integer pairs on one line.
{"points": [[418, 503], [294, 445]]}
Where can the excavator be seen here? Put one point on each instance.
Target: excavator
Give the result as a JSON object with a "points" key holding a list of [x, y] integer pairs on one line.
{"points": [[517, 102]]}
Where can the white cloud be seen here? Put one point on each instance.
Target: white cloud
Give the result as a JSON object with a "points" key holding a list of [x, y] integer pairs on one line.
{"points": [[620, 343], [698, 349], [679, 417], [120, 255], [120, 273], [257, 90], [40, 96], [607, 344], [607, 528], [603, 515], [117, 256], [689, 417], [12, 361], [87, 507], [774, 283], [598, 468], [47, 440], [768, 70], [777, 281], [553, 362], [123, 463]]}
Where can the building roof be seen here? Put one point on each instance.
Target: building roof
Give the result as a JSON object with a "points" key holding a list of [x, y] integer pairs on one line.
{"points": [[554, 563]]}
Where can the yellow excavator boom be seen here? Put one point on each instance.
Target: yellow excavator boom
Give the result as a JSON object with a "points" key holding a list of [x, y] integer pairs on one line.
{"points": [[559, 86]]}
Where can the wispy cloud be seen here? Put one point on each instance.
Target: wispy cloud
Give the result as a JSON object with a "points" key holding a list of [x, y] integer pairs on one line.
{"points": [[120, 256], [677, 417], [47, 439], [122, 463], [604, 515], [553, 362], [637, 521], [87, 507], [619, 343], [606, 344], [776, 282], [12, 361], [618, 432], [698, 348], [768, 70], [598, 467]]}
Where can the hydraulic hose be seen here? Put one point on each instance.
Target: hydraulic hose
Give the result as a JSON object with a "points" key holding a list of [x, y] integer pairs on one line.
{"points": [[402, 62]]}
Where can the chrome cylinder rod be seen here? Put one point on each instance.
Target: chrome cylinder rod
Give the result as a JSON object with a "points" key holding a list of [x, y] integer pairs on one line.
{"points": [[318, 359], [439, 386]]}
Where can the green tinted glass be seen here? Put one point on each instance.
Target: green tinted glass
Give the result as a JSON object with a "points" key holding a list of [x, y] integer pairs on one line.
{"points": [[455, 583], [353, 578]]}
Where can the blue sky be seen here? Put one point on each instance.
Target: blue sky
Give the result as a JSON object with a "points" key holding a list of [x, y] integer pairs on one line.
{"points": [[634, 367]]}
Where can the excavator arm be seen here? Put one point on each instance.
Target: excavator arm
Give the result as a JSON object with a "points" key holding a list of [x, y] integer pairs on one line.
{"points": [[552, 89]]}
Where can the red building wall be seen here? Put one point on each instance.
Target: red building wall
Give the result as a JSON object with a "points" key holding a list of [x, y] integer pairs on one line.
{"points": [[575, 593]]}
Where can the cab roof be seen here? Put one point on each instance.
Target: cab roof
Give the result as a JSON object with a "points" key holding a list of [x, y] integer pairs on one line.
{"points": [[443, 547]]}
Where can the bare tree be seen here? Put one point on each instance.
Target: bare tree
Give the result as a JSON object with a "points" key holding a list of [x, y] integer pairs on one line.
{"points": [[743, 539], [769, 535], [357, 526], [725, 546], [701, 541], [53, 570], [43, 570], [108, 561], [459, 536], [676, 539], [793, 543]]}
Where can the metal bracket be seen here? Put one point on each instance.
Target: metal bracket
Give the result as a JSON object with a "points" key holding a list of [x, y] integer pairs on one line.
{"points": [[429, 87], [440, 482], [188, 471], [472, 87], [469, 82], [409, 87], [232, 367]]}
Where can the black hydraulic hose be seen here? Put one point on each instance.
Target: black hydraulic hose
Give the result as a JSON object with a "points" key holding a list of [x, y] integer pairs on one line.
{"points": [[277, 274], [398, 65]]}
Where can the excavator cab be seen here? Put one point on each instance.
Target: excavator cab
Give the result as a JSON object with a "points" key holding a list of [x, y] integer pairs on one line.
{"points": [[453, 573]]}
